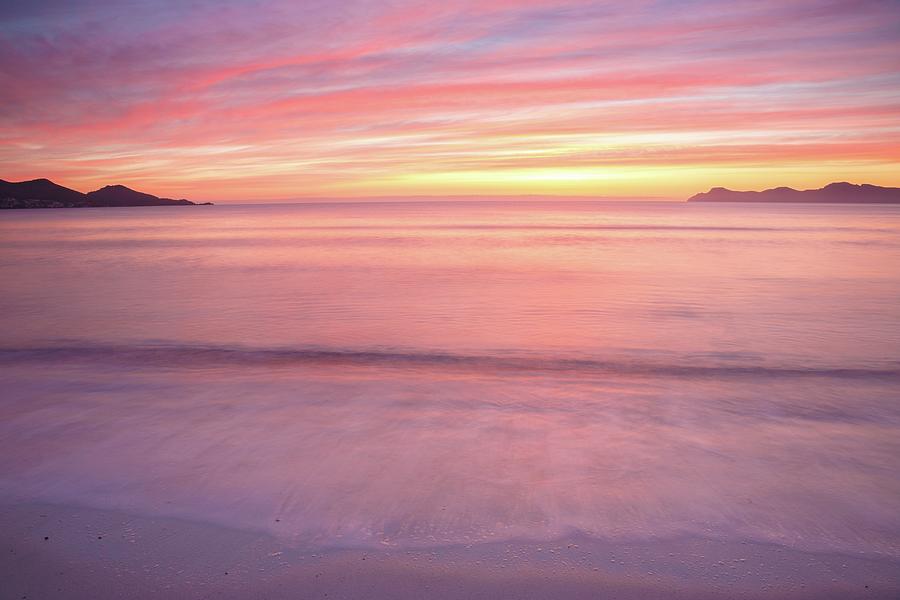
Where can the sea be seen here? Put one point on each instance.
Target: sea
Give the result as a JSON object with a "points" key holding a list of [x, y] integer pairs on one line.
{"points": [[417, 374]]}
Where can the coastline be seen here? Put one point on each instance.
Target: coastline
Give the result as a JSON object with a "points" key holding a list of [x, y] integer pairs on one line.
{"points": [[58, 551]]}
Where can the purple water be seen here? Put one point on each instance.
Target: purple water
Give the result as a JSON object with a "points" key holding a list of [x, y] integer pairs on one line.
{"points": [[408, 375]]}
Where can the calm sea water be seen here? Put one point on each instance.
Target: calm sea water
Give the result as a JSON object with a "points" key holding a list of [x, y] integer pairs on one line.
{"points": [[428, 373]]}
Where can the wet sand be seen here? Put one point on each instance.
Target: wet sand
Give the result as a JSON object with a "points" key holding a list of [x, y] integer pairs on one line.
{"points": [[52, 551]]}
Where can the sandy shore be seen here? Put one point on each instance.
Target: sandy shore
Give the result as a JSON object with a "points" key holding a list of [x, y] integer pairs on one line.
{"points": [[51, 551]]}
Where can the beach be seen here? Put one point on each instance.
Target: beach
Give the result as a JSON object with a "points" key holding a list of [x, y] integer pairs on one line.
{"points": [[105, 554]]}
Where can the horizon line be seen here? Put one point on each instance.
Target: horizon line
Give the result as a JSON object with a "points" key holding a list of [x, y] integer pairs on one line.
{"points": [[444, 198]]}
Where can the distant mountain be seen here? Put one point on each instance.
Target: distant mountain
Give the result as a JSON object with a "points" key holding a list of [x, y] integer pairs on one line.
{"points": [[832, 193], [43, 193], [119, 195], [38, 191]]}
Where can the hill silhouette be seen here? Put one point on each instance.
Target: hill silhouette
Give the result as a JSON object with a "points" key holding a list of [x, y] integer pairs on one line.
{"points": [[834, 193], [42, 190], [43, 193], [119, 195]]}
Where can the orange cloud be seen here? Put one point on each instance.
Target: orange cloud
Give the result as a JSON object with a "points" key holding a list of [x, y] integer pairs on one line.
{"points": [[292, 99]]}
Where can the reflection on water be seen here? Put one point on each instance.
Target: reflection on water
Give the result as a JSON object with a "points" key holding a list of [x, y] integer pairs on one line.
{"points": [[373, 374]]}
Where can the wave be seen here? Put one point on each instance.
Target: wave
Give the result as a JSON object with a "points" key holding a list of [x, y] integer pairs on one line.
{"points": [[190, 355]]}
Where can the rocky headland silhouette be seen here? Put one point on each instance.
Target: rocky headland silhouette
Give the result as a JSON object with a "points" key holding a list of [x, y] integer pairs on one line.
{"points": [[835, 193], [43, 193]]}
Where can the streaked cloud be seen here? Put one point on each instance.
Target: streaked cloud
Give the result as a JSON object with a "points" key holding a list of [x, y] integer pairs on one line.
{"points": [[278, 99]]}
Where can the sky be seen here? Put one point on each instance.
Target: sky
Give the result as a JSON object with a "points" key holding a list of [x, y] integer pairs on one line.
{"points": [[271, 100]]}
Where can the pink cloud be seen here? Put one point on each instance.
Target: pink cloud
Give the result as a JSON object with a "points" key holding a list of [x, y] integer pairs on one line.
{"points": [[364, 88]]}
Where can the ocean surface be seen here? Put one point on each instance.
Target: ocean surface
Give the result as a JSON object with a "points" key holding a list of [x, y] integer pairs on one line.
{"points": [[418, 374]]}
